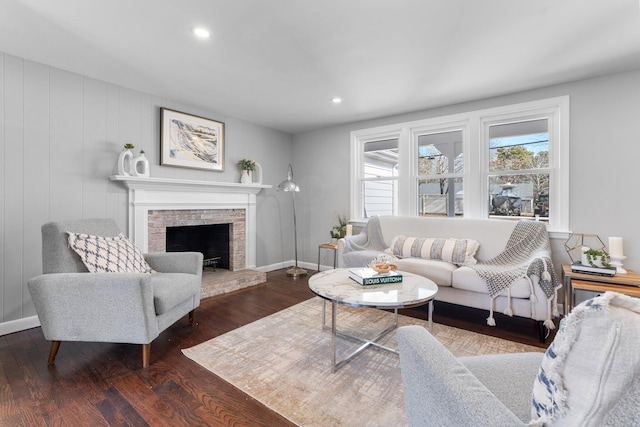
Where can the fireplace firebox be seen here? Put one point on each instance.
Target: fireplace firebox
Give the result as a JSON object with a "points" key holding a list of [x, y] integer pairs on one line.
{"points": [[210, 239]]}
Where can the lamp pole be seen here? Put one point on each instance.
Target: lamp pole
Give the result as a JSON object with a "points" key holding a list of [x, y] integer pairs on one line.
{"points": [[290, 185]]}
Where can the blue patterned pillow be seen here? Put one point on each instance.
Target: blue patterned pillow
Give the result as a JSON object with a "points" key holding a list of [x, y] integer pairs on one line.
{"points": [[108, 254]]}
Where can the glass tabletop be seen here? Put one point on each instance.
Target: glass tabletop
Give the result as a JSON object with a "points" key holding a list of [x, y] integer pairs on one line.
{"points": [[336, 285]]}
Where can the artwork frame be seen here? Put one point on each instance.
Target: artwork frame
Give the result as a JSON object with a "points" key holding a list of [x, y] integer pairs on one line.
{"points": [[190, 141]]}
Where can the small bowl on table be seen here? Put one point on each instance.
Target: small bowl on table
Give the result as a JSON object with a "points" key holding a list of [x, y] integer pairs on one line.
{"points": [[384, 267]]}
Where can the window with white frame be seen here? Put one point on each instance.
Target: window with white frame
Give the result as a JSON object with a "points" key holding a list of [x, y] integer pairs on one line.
{"points": [[519, 171], [508, 162], [380, 184], [378, 171], [440, 164]]}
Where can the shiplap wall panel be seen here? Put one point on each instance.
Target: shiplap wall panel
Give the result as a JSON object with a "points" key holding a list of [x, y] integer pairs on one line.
{"points": [[13, 194], [149, 142], [66, 145], [129, 131], [2, 185], [36, 171], [98, 153], [114, 190]]}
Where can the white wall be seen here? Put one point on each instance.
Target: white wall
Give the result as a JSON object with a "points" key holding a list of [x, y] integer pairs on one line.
{"points": [[60, 136], [604, 162]]}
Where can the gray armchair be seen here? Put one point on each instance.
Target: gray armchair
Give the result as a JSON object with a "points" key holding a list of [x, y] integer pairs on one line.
{"points": [[589, 376], [75, 305]]}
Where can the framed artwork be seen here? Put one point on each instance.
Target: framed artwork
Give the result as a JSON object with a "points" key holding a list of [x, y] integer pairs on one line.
{"points": [[190, 141]]}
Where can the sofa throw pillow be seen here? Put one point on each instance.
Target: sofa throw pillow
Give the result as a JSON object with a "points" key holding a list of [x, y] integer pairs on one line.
{"points": [[108, 254], [590, 365], [455, 251]]}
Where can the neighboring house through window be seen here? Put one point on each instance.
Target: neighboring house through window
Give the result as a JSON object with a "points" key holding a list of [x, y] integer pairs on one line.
{"points": [[508, 162]]}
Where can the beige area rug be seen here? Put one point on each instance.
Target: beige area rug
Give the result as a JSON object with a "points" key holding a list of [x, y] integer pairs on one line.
{"points": [[284, 361]]}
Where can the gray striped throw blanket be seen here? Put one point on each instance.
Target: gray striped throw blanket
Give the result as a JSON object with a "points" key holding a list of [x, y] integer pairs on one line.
{"points": [[526, 254]]}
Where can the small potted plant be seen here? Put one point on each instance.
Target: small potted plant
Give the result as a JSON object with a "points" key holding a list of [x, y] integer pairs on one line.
{"points": [[247, 166], [340, 230], [595, 257]]}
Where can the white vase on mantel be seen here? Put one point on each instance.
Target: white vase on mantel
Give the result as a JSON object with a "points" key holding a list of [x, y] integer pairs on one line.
{"points": [[257, 174], [140, 166], [124, 162], [245, 178]]}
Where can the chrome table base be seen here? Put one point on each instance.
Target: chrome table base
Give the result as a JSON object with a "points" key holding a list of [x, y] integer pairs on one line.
{"points": [[366, 343]]}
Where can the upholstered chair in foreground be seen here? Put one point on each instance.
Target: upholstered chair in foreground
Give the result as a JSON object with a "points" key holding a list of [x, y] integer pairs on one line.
{"points": [[589, 376], [126, 298]]}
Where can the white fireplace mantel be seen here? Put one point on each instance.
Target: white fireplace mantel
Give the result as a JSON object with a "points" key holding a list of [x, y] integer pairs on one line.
{"points": [[147, 194], [141, 183]]}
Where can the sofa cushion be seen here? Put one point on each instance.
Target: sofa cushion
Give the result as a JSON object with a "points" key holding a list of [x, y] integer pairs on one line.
{"points": [[108, 254], [467, 279], [455, 251], [438, 271], [590, 365], [171, 289]]}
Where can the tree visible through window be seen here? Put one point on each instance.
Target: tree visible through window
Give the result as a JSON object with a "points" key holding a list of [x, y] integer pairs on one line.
{"points": [[519, 169]]}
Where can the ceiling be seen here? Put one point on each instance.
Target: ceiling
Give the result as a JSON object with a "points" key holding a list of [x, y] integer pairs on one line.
{"points": [[278, 63]]}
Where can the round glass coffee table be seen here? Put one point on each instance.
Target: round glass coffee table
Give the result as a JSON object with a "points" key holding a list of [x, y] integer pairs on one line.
{"points": [[336, 286]]}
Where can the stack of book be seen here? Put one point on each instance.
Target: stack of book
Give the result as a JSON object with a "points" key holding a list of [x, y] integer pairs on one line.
{"points": [[578, 267], [368, 276]]}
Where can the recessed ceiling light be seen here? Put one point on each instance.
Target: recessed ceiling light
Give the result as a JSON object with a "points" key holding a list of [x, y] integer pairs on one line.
{"points": [[336, 100], [200, 32]]}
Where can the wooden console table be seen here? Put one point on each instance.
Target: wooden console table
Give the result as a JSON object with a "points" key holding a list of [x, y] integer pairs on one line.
{"points": [[628, 284]]}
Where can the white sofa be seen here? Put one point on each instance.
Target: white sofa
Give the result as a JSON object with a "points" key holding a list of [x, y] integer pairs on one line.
{"points": [[457, 284]]}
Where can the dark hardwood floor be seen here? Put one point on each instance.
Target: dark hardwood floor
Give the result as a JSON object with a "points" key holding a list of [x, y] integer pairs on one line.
{"points": [[104, 384]]}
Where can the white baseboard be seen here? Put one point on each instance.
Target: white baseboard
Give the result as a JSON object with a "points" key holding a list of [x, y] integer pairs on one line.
{"points": [[19, 325], [287, 264], [273, 267]]}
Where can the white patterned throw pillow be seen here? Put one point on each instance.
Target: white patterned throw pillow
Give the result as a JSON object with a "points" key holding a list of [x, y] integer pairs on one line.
{"points": [[455, 251], [108, 254], [591, 363]]}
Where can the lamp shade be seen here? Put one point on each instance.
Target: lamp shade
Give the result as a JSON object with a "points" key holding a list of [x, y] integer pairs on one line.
{"points": [[288, 184]]}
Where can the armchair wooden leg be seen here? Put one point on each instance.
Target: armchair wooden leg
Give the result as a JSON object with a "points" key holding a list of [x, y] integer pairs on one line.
{"points": [[191, 317], [146, 355], [55, 345]]}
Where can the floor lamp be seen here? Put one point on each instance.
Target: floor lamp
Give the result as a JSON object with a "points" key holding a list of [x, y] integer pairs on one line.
{"points": [[289, 185]]}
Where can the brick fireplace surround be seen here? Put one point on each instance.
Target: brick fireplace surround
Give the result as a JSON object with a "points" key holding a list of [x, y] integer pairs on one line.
{"points": [[159, 220], [157, 203]]}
